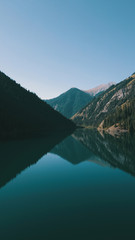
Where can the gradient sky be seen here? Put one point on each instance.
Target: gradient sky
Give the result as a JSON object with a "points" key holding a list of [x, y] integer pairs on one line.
{"points": [[49, 46]]}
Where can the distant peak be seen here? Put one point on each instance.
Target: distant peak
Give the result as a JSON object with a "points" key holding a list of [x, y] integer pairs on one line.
{"points": [[73, 89], [99, 88]]}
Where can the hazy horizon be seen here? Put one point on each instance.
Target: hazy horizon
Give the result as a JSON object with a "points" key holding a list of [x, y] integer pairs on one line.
{"points": [[51, 46]]}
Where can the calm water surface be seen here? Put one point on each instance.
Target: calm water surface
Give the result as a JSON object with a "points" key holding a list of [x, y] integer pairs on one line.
{"points": [[80, 188]]}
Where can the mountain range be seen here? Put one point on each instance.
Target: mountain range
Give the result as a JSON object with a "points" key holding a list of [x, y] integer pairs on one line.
{"points": [[73, 100], [23, 113], [106, 107], [114, 108]]}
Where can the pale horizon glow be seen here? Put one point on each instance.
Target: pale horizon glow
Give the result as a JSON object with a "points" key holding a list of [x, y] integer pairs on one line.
{"points": [[50, 46]]}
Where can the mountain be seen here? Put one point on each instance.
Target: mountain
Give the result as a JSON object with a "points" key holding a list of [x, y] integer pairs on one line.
{"points": [[24, 114], [97, 90], [114, 107], [70, 102]]}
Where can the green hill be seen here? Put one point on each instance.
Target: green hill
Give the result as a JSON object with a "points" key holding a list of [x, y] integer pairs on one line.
{"points": [[70, 102], [23, 114]]}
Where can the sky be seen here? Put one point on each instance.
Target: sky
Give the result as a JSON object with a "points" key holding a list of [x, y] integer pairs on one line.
{"points": [[49, 46]]}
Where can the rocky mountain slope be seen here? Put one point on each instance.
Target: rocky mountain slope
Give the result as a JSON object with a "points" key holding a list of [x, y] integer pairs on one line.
{"points": [[70, 102], [24, 114], [115, 106]]}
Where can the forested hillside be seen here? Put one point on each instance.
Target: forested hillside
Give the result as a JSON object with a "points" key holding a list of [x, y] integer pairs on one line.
{"points": [[23, 113], [114, 106], [124, 116]]}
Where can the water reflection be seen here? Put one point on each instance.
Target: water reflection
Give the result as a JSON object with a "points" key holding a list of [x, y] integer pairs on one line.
{"points": [[15, 156], [75, 151], [83, 145], [72, 150], [118, 152], [57, 200]]}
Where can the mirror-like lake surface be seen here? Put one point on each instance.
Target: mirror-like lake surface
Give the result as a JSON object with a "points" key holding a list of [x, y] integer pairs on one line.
{"points": [[82, 187]]}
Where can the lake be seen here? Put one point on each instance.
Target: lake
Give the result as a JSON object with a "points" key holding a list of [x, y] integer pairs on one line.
{"points": [[78, 187]]}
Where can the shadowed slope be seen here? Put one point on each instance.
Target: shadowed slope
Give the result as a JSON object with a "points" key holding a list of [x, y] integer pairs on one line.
{"points": [[24, 114]]}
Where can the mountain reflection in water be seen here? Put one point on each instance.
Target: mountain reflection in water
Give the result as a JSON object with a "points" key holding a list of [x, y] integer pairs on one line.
{"points": [[82, 145], [118, 152], [15, 156], [67, 194]]}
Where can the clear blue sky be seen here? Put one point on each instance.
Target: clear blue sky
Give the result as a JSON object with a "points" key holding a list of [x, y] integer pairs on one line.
{"points": [[49, 46]]}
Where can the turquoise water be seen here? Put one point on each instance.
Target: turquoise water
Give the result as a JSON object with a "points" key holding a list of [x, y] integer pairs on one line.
{"points": [[71, 192]]}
